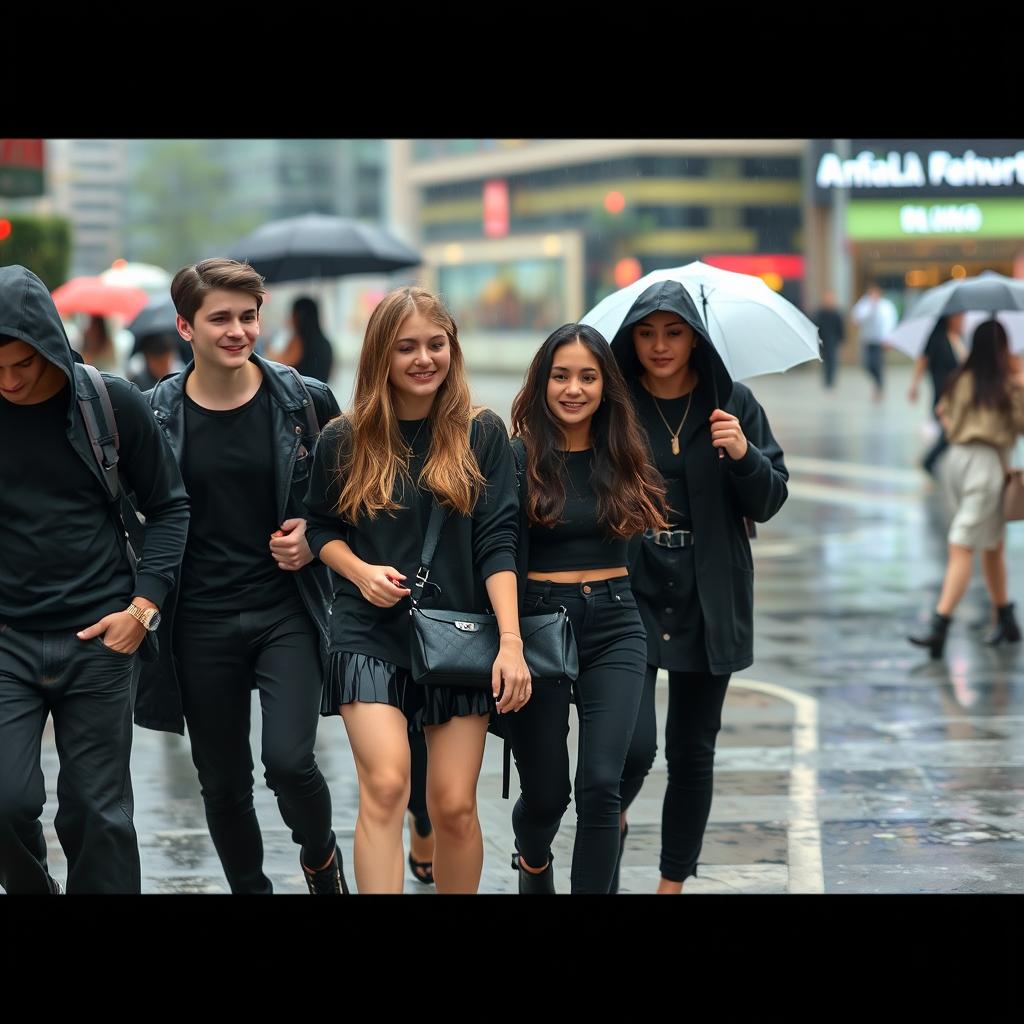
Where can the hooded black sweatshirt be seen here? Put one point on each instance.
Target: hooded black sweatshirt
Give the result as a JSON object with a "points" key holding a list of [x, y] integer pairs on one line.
{"points": [[719, 495], [63, 564]]}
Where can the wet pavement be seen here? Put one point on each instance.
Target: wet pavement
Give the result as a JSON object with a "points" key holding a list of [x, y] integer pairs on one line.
{"points": [[847, 761]]}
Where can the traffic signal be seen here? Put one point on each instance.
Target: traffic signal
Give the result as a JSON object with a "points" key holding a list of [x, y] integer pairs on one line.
{"points": [[5, 230]]}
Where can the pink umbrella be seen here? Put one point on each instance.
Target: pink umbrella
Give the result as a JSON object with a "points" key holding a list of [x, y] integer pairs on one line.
{"points": [[97, 298]]}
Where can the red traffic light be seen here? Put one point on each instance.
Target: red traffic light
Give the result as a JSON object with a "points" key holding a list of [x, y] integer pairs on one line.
{"points": [[5, 229]]}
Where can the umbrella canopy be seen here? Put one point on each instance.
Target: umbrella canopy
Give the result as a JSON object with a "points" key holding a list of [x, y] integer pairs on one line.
{"points": [[97, 298], [318, 246], [1013, 324], [151, 279], [158, 317], [989, 292], [753, 329]]}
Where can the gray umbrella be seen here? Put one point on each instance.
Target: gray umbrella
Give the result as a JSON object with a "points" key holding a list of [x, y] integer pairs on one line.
{"points": [[989, 292], [320, 246]]}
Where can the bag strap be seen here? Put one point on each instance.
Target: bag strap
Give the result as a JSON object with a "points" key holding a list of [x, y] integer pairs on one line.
{"points": [[438, 517], [312, 426], [101, 426]]}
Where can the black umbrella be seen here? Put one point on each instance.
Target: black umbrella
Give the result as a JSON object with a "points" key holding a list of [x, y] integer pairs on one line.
{"points": [[159, 317], [319, 246]]}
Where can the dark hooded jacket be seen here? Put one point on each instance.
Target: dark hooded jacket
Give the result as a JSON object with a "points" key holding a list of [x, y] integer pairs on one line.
{"points": [[147, 470], [722, 494], [159, 701]]}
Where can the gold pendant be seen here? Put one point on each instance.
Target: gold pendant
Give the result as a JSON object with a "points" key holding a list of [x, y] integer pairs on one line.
{"points": [[675, 445]]}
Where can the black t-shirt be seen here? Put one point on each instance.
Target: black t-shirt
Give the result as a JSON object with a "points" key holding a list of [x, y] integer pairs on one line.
{"points": [[672, 467], [62, 561], [228, 468], [579, 540]]}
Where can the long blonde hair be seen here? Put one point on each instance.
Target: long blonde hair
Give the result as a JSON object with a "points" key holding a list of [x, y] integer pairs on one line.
{"points": [[376, 453]]}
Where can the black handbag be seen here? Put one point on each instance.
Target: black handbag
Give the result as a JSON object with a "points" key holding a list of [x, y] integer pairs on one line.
{"points": [[451, 648]]}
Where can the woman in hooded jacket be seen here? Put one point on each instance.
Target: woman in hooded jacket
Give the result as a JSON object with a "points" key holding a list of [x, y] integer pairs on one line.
{"points": [[711, 442]]}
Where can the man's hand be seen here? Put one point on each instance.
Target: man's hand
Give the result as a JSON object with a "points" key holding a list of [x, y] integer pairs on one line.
{"points": [[288, 545], [120, 631]]}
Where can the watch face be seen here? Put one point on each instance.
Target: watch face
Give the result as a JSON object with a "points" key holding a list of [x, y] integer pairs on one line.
{"points": [[154, 622]]}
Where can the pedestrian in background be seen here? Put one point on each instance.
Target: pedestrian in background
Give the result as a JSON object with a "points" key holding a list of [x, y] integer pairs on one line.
{"points": [[982, 412], [830, 328], [876, 317], [942, 356]]}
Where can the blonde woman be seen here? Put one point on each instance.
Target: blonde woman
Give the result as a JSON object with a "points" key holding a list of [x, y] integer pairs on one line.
{"points": [[410, 438]]}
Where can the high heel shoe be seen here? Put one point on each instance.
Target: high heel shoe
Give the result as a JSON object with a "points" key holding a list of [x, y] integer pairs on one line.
{"points": [[422, 870], [935, 638], [530, 884], [1007, 630]]}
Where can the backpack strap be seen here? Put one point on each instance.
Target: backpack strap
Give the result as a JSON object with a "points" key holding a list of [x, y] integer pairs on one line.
{"points": [[100, 425]]}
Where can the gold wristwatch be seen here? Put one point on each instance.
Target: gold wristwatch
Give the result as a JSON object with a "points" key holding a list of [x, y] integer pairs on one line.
{"points": [[149, 617]]}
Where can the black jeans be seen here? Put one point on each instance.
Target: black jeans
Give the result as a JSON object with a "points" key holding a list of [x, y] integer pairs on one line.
{"points": [[874, 362], [613, 653], [221, 657], [87, 688], [695, 702]]}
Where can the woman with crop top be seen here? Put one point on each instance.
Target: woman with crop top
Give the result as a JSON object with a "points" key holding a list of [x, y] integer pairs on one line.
{"points": [[586, 487]]}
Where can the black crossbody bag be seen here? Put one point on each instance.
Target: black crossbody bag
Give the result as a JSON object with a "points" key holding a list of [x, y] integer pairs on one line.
{"points": [[451, 648]]}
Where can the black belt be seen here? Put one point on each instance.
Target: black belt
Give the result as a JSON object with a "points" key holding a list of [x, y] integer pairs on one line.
{"points": [[670, 538]]}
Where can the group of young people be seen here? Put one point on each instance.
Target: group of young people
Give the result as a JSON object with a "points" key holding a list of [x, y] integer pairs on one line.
{"points": [[280, 551]]}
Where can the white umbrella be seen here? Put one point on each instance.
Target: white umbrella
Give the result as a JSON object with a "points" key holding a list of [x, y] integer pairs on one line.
{"points": [[753, 329], [151, 279], [1013, 324]]}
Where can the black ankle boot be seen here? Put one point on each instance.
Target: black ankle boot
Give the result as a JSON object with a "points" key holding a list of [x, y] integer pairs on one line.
{"points": [[935, 638], [1007, 630], [530, 884], [613, 891]]}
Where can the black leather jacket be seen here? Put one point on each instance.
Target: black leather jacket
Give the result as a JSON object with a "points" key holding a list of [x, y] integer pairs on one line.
{"points": [[158, 705]]}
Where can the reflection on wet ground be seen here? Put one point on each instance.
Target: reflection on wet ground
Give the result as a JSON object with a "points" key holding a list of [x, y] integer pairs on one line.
{"points": [[859, 766]]}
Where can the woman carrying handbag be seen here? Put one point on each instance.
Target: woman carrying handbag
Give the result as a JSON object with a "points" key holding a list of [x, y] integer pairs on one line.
{"points": [[412, 461], [982, 412], [587, 488]]}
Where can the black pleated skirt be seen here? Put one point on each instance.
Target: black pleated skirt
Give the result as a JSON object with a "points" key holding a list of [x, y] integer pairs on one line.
{"points": [[359, 677]]}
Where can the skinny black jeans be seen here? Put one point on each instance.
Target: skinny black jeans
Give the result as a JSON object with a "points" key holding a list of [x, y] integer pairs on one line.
{"points": [[612, 647], [695, 702], [87, 688], [221, 657]]}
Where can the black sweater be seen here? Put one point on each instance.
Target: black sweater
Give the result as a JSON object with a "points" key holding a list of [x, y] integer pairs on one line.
{"points": [[471, 547], [79, 570]]}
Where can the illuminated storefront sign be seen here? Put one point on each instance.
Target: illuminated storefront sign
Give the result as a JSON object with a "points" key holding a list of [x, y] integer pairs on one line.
{"points": [[892, 219], [937, 168]]}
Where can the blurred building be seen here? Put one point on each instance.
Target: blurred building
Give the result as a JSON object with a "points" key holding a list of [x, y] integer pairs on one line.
{"points": [[523, 235], [85, 181], [914, 213]]}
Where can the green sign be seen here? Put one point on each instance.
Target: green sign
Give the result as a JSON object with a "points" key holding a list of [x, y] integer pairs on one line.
{"points": [[887, 219]]}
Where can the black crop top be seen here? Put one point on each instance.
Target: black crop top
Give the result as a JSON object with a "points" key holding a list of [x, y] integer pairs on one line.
{"points": [[579, 541]]}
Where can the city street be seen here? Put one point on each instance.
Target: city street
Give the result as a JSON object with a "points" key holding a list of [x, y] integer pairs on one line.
{"points": [[847, 761]]}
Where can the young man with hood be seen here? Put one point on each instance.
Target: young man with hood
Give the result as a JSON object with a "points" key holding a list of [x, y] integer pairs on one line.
{"points": [[712, 444], [251, 609], [73, 608]]}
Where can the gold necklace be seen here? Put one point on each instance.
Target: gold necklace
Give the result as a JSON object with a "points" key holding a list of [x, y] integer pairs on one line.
{"points": [[682, 422], [412, 454]]}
